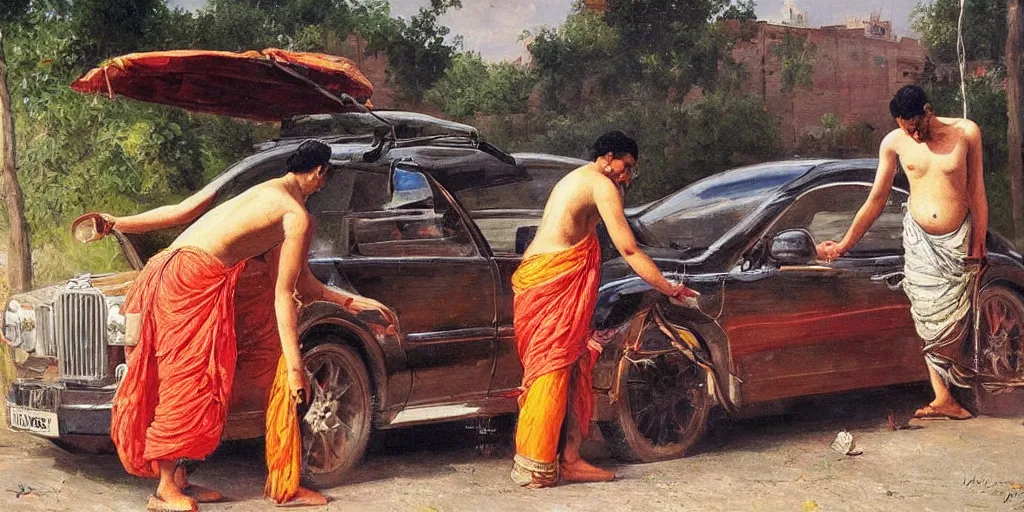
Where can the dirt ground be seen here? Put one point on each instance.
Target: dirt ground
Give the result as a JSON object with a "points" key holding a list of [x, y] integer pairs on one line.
{"points": [[778, 463]]}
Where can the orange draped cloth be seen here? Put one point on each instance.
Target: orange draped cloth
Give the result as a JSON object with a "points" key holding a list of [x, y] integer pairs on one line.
{"points": [[555, 295], [173, 401], [262, 379]]}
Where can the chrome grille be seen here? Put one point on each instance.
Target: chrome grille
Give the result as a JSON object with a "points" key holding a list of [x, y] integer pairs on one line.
{"points": [[35, 396], [81, 334], [46, 345]]}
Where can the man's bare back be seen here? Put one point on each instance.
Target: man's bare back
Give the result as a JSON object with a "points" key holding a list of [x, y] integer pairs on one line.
{"points": [[246, 225], [937, 171], [571, 212]]}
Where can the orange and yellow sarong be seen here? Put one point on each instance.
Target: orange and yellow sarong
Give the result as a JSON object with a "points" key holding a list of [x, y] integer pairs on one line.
{"points": [[555, 295], [263, 379], [173, 401]]}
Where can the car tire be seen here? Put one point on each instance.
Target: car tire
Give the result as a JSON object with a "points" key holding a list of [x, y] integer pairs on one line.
{"points": [[662, 409], [1001, 331], [337, 424]]}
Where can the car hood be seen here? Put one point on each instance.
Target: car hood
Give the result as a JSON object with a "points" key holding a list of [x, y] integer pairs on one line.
{"points": [[268, 85]]}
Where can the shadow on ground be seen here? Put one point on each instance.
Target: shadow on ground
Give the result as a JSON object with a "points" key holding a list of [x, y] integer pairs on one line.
{"points": [[428, 451]]}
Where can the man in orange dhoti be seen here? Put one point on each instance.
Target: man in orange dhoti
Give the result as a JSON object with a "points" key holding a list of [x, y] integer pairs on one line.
{"points": [[173, 401], [555, 290]]}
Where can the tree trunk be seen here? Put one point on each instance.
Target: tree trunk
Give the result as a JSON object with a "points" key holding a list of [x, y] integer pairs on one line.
{"points": [[1014, 41], [19, 255]]}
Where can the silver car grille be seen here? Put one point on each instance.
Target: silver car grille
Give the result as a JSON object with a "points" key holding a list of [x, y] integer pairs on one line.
{"points": [[46, 344], [81, 335]]}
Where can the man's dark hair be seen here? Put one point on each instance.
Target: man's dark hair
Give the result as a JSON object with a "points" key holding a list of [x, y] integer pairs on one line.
{"points": [[616, 143], [308, 156], [908, 102]]}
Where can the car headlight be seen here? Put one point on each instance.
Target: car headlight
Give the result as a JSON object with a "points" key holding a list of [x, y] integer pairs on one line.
{"points": [[115, 321], [20, 325]]}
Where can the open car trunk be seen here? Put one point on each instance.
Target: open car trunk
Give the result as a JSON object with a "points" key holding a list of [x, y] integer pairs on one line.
{"points": [[269, 85]]}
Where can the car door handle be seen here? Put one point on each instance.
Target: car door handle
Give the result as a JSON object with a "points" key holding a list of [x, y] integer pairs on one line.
{"points": [[894, 280]]}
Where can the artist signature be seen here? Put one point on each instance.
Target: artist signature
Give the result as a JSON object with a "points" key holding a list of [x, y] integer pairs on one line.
{"points": [[1012, 492]]}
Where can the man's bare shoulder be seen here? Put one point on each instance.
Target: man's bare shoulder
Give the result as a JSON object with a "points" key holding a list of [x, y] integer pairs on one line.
{"points": [[969, 128], [893, 139]]}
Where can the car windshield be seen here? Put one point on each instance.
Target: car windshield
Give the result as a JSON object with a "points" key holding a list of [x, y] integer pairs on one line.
{"points": [[698, 215]]}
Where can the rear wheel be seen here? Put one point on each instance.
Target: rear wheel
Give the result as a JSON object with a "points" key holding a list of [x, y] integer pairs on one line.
{"points": [[336, 427], [662, 409], [1000, 350]]}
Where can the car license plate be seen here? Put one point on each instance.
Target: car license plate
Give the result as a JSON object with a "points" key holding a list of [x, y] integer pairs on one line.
{"points": [[43, 423]]}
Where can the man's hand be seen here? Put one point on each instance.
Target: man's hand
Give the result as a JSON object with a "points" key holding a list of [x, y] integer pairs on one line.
{"points": [[680, 292], [298, 385], [360, 304], [977, 255], [829, 250]]}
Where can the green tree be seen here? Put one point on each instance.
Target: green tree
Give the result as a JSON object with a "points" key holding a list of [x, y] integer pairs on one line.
{"points": [[471, 86], [19, 273], [984, 28]]}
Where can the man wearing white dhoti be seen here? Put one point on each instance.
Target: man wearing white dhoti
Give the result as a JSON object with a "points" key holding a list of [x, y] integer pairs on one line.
{"points": [[943, 232]]}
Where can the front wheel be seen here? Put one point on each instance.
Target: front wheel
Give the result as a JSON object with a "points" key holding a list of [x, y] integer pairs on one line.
{"points": [[662, 409], [336, 427]]}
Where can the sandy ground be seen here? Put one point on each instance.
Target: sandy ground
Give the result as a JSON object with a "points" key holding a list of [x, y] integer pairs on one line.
{"points": [[778, 463]]}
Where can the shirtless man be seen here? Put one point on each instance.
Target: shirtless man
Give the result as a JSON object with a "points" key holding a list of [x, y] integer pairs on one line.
{"points": [[555, 293], [943, 231], [172, 402]]}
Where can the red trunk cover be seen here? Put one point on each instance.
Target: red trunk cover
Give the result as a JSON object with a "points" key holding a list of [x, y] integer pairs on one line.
{"points": [[246, 85]]}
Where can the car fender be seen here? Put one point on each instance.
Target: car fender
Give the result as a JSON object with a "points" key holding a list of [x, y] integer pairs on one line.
{"points": [[622, 309], [376, 334]]}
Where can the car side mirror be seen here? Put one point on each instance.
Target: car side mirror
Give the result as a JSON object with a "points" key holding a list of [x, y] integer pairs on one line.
{"points": [[793, 247]]}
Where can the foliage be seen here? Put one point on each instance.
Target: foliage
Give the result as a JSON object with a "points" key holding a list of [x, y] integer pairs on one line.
{"points": [[665, 46], [471, 86], [679, 143], [796, 56], [417, 52], [79, 153], [837, 139], [984, 28]]}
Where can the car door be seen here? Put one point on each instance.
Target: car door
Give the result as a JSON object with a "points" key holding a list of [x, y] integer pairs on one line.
{"points": [[411, 250], [820, 327]]}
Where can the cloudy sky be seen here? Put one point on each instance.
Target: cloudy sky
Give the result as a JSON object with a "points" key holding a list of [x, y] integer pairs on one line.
{"points": [[493, 27]]}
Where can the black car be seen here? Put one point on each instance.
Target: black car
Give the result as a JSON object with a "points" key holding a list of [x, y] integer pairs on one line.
{"points": [[433, 222]]}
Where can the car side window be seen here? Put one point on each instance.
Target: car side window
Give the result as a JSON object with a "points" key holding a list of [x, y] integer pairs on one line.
{"points": [[827, 212], [398, 216]]}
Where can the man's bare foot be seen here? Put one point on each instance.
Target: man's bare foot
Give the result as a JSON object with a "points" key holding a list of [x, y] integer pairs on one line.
{"points": [[197, 492], [169, 498], [952, 411], [305, 498], [204, 494], [581, 471]]}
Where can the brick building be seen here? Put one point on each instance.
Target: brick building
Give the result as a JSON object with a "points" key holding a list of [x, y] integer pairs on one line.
{"points": [[856, 69]]}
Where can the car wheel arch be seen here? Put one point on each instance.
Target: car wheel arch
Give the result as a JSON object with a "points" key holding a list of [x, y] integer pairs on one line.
{"points": [[335, 322]]}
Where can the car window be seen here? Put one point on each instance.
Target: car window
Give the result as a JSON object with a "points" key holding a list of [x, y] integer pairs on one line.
{"points": [[827, 212], [398, 216], [508, 214]]}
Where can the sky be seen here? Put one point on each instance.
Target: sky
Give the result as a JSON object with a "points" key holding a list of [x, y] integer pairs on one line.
{"points": [[493, 27]]}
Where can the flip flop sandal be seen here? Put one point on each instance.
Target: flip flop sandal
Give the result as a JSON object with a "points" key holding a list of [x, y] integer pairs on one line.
{"points": [[203, 494], [156, 504], [930, 413]]}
